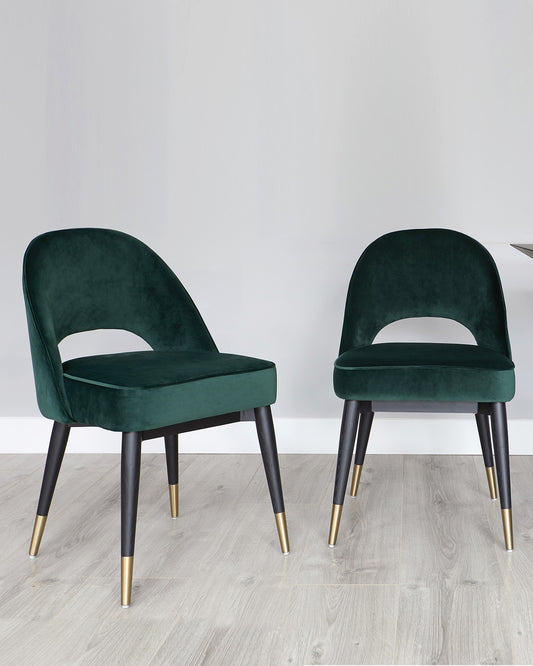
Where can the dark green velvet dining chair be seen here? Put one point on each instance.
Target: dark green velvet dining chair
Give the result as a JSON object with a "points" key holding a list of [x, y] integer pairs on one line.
{"points": [[86, 279], [424, 273]]}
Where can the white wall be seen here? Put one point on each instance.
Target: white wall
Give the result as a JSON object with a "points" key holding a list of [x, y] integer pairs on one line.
{"points": [[259, 147]]}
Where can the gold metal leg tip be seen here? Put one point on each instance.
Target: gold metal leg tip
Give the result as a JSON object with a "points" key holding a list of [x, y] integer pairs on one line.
{"points": [[355, 479], [507, 519], [491, 478], [126, 580], [38, 529], [174, 500], [336, 513], [283, 533]]}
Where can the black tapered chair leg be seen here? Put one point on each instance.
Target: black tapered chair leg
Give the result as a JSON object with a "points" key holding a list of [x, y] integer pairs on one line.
{"points": [[56, 451], [130, 473], [269, 453], [350, 417], [171, 450], [501, 454], [482, 421], [365, 424]]}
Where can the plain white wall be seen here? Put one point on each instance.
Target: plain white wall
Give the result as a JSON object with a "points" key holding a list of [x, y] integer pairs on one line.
{"points": [[259, 147]]}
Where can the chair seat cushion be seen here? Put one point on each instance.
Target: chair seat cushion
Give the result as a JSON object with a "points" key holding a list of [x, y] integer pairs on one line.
{"points": [[137, 391], [424, 371]]}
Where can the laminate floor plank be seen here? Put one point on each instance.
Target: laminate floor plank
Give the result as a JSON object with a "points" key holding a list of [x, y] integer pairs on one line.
{"points": [[10, 465], [517, 567], [456, 624], [217, 479], [305, 479], [446, 534], [344, 624], [83, 539], [105, 629], [368, 544], [229, 620], [247, 544], [18, 510], [209, 490]]}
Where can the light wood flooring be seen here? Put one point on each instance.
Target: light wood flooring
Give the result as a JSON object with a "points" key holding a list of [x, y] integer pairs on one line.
{"points": [[419, 575]]}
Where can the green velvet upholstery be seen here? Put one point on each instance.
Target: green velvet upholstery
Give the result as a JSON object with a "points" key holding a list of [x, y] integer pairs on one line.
{"points": [[144, 390], [424, 372], [85, 279], [425, 273]]}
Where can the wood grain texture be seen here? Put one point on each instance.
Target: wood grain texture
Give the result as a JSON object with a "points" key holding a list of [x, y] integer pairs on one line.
{"points": [[368, 545], [344, 624], [446, 534], [516, 568], [419, 574], [456, 624]]}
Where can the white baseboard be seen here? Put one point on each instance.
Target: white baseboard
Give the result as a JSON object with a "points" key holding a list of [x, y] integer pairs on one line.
{"points": [[441, 435]]}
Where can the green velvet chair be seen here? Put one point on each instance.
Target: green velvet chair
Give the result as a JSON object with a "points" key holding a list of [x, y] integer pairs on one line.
{"points": [[424, 273], [86, 279]]}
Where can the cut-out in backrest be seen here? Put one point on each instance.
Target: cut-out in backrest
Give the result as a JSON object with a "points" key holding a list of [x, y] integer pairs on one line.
{"points": [[101, 341], [426, 329]]}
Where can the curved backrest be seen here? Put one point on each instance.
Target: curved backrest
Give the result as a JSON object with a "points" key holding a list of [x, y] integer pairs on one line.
{"points": [[425, 273], [86, 279]]}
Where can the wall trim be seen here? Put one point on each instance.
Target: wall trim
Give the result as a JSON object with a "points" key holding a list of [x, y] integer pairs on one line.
{"points": [[440, 435]]}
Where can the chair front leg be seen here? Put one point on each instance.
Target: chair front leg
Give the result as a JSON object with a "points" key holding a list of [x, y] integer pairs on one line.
{"points": [[365, 424], [501, 454], [56, 451], [482, 421], [350, 417], [171, 450], [269, 453], [130, 473]]}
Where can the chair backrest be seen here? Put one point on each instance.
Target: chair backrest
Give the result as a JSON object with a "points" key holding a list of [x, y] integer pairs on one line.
{"points": [[86, 279], [425, 273]]}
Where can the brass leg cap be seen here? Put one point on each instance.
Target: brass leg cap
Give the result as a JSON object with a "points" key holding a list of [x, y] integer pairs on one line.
{"points": [[335, 522], [174, 500], [491, 478], [38, 529], [281, 523], [355, 479], [126, 580], [507, 518]]}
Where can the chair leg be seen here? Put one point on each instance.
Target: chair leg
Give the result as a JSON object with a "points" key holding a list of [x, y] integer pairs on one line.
{"points": [[482, 421], [130, 473], [171, 450], [346, 443], [365, 424], [56, 450], [501, 454], [269, 453]]}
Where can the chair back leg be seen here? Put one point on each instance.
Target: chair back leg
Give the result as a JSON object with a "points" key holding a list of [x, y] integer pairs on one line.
{"points": [[482, 421], [171, 450], [56, 451], [365, 424], [350, 417], [269, 453], [130, 474], [501, 454]]}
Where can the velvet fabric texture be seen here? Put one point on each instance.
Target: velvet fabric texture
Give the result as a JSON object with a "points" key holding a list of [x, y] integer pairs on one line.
{"points": [[425, 273], [86, 279], [142, 390], [424, 372]]}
